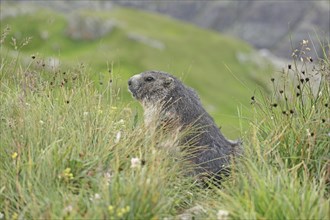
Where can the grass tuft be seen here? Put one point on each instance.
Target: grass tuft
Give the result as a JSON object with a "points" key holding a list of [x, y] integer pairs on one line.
{"points": [[284, 173]]}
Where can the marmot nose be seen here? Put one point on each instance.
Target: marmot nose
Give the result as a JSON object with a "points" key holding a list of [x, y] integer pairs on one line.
{"points": [[130, 82]]}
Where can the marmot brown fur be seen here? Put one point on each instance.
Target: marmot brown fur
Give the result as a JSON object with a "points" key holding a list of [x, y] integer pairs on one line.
{"points": [[165, 98]]}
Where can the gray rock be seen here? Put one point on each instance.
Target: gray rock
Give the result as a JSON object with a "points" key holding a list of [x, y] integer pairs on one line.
{"points": [[82, 27]]}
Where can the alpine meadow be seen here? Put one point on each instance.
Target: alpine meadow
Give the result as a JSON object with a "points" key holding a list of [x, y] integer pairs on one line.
{"points": [[73, 144]]}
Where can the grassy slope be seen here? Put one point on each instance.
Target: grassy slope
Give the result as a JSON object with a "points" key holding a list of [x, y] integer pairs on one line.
{"points": [[197, 56], [66, 151]]}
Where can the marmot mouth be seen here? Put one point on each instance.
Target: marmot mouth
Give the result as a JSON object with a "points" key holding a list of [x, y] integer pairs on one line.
{"points": [[133, 92]]}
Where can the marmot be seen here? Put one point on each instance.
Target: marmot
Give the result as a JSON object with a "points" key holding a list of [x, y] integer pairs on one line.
{"points": [[165, 98]]}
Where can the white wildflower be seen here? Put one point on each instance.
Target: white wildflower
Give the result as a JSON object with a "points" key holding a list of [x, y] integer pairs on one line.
{"points": [[222, 215], [95, 197], [68, 209], [121, 122], [86, 113], [305, 42], [1, 215], [118, 135], [41, 122], [135, 162], [107, 177]]}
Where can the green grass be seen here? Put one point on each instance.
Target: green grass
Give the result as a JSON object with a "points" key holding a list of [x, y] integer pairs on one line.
{"points": [[285, 170], [204, 59], [66, 152], [68, 146]]}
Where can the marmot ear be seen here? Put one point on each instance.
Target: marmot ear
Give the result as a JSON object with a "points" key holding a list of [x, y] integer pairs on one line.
{"points": [[168, 81]]}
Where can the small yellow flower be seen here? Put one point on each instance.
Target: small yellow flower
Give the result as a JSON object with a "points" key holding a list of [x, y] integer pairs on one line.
{"points": [[67, 170], [120, 214], [14, 155], [110, 209], [15, 216], [127, 209], [67, 174]]}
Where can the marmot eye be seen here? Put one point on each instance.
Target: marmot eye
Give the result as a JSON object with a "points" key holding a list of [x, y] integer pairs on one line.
{"points": [[149, 79]]}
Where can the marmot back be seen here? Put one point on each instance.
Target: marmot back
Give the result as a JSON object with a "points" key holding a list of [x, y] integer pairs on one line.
{"points": [[181, 105]]}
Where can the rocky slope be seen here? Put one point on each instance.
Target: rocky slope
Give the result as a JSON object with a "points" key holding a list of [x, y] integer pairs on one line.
{"points": [[275, 26], [264, 24]]}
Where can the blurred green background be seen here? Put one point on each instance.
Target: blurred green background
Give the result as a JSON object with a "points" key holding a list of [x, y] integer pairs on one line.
{"points": [[225, 71]]}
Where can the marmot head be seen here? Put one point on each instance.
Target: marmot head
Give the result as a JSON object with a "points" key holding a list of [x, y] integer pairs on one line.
{"points": [[151, 86]]}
